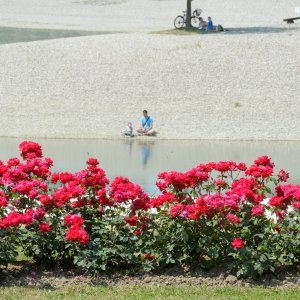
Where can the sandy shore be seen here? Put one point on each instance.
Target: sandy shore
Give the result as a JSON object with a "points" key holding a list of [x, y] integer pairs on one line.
{"points": [[243, 84]]}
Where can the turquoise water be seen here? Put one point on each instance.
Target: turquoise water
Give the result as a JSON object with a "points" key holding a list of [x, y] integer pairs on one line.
{"points": [[142, 160], [10, 35]]}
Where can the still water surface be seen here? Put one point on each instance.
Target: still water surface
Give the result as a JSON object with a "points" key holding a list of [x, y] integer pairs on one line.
{"points": [[9, 35], [142, 160]]}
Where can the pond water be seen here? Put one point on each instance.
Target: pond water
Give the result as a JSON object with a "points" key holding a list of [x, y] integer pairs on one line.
{"points": [[141, 160], [10, 35]]}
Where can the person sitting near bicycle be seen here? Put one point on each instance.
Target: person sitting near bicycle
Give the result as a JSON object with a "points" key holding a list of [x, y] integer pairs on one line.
{"points": [[210, 25], [202, 24]]}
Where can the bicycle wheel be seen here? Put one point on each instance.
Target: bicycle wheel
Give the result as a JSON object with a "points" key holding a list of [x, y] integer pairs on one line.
{"points": [[179, 22], [195, 22]]}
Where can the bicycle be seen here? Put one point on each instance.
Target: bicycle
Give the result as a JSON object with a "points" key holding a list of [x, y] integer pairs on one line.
{"points": [[180, 21]]}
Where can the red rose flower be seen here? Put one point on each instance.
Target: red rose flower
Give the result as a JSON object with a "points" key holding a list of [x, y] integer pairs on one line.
{"points": [[3, 201], [283, 175], [237, 243], [264, 161], [149, 256], [297, 205], [13, 162], [257, 210], [233, 218], [161, 199], [176, 210], [73, 220], [223, 166], [78, 234], [131, 221], [44, 227], [137, 232], [276, 201], [242, 167], [65, 177], [92, 162]]}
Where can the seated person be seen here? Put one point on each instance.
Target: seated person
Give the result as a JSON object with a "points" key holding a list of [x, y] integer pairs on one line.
{"points": [[210, 25], [146, 127], [129, 130], [220, 28], [202, 24]]}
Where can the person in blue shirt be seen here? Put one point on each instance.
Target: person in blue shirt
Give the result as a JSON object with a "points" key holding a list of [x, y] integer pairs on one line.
{"points": [[210, 25], [146, 125]]}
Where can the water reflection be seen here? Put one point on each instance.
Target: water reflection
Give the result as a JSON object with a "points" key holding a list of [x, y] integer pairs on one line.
{"points": [[146, 150], [142, 160], [129, 143]]}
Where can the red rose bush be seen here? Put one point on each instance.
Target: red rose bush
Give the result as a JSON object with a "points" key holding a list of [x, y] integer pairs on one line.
{"points": [[225, 213]]}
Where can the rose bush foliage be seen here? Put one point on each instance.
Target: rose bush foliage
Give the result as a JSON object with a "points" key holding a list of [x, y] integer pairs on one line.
{"points": [[243, 217]]}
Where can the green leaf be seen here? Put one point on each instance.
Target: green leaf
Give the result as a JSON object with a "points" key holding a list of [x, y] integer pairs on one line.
{"points": [[185, 235]]}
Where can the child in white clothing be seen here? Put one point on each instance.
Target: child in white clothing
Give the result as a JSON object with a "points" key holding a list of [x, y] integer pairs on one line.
{"points": [[129, 130]]}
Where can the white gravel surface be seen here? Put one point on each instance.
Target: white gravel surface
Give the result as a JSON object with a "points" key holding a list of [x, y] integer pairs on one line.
{"points": [[139, 15], [243, 84]]}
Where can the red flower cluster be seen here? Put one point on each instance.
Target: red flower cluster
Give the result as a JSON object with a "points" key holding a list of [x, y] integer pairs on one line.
{"points": [[220, 197], [178, 181], [75, 186], [73, 220], [246, 189], [132, 221], [76, 232], [196, 177], [12, 219], [162, 199], [30, 195], [30, 150], [124, 191], [262, 167], [15, 218], [286, 195]]}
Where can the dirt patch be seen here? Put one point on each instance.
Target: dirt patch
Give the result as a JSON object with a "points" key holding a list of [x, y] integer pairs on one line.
{"points": [[30, 275]]}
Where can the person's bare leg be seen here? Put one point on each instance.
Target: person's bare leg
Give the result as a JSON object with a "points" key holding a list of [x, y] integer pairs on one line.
{"points": [[140, 131], [151, 132]]}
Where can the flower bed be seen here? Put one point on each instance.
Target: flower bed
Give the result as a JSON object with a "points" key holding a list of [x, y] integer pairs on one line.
{"points": [[242, 217]]}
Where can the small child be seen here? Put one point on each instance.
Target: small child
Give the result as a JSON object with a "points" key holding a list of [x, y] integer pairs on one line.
{"points": [[202, 24], [129, 130]]}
